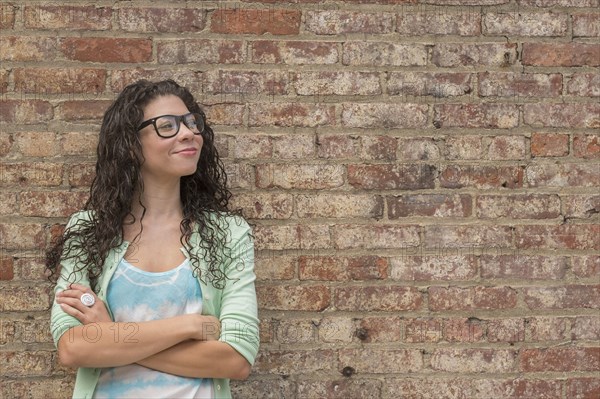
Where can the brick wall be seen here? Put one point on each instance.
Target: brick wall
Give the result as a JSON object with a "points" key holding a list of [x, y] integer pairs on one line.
{"points": [[423, 177]]}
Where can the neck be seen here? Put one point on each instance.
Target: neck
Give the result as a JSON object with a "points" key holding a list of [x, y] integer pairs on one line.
{"points": [[162, 201]]}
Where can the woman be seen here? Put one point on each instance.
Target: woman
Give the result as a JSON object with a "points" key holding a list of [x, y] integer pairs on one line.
{"points": [[155, 284]]}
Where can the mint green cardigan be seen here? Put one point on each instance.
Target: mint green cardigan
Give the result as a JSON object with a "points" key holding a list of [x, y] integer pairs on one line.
{"points": [[235, 305]]}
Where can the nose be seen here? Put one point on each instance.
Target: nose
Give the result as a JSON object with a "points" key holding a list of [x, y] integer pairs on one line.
{"points": [[184, 132]]}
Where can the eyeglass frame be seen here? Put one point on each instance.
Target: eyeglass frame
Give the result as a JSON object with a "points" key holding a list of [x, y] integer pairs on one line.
{"points": [[178, 119]]}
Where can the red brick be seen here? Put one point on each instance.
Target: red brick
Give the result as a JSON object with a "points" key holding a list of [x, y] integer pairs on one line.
{"points": [[586, 145], [517, 389], [565, 236], [565, 297], [562, 175], [336, 146], [523, 267], [429, 388], [474, 236], [464, 2], [375, 236], [43, 81], [342, 22], [25, 111], [339, 206], [277, 237], [314, 236], [524, 23], [510, 84], [24, 299], [51, 204], [383, 115], [586, 266], [474, 54], [9, 203], [293, 297], [499, 116], [4, 80], [549, 145], [523, 206], [26, 363], [250, 146], [423, 330], [383, 329], [586, 25], [463, 330], [162, 19], [83, 110], [581, 206], [378, 148], [473, 360], [78, 143], [7, 16], [279, 388], [481, 177], [103, 49], [81, 174], [509, 330], [346, 388], [384, 54], [225, 114], [31, 388], [6, 143], [377, 298], [36, 144], [264, 205], [562, 115], [559, 359], [464, 147], [412, 149], [507, 147], [70, 17], [288, 362], [295, 331], [584, 85], [28, 48], [337, 83], [22, 236], [391, 177], [203, 51], [247, 84], [6, 271], [329, 268], [382, 361], [291, 114], [294, 52], [429, 84], [33, 268], [457, 298], [586, 328], [31, 173], [462, 23], [583, 388], [336, 329], [435, 205], [275, 267], [294, 146], [539, 329], [308, 176], [561, 54], [434, 268], [256, 21], [193, 80], [559, 3]]}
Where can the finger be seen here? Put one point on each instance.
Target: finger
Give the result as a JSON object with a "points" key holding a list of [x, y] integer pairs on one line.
{"points": [[72, 311], [80, 287], [74, 303]]}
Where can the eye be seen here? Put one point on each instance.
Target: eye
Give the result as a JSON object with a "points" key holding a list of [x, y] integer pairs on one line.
{"points": [[165, 124]]}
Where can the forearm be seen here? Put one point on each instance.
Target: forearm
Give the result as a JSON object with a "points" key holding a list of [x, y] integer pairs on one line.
{"points": [[200, 359], [109, 344]]}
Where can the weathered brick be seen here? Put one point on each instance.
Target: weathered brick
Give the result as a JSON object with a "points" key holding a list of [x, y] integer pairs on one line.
{"points": [[583, 388], [517, 388], [275, 267], [295, 331], [247, 84], [82, 110], [565, 236], [584, 85], [433, 267], [203, 51], [378, 148], [264, 205], [31, 173], [450, 55], [43, 81], [464, 2], [384, 54], [382, 361], [81, 174], [586, 145], [330, 268], [9, 204], [277, 388], [390, 177], [306, 176], [339, 206], [562, 115], [346, 388], [581, 206], [291, 114], [499, 116], [561, 54], [104, 49], [464, 147], [523, 206], [429, 388], [586, 25], [315, 236], [473, 360], [336, 146], [23, 299], [439, 84], [4, 73], [288, 362], [549, 145], [293, 297], [256, 21], [524, 23], [507, 147], [565, 297], [586, 266], [470, 298], [336, 329], [559, 3], [337, 83], [523, 267], [562, 175], [294, 146], [462, 23], [51, 203], [72, 17], [162, 19], [25, 111], [436, 205], [294, 52], [26, 363], [467, 236], [28, 48], [6, 274], [22, 236], [586, 328], [225, 114], [413, 149], [506, 330], [276, 237], [383, 329], [539, 329], [481, 177], [250, 146], [51, 388], [377, 298], [193, 80], [423, 330], [7, 16], [36, 144], [469, 330], [559, 359], [79, 143], [375, 236], [32, 267], [510, 84], [6, 143], [343, 22], [381, 115]]}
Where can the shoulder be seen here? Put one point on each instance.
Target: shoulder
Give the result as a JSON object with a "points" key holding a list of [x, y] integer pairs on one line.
{"points": [[80, 217], [231, 223]]}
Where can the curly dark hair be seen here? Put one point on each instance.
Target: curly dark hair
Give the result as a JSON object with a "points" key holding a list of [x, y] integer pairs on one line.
{"points": [[204, 194]]}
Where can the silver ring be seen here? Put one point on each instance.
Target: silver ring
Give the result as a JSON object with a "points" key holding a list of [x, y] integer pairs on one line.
{"points": [[87, 299]]}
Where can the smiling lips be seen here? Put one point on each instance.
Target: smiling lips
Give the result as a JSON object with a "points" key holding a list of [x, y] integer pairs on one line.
{"points": [[188, 151]]}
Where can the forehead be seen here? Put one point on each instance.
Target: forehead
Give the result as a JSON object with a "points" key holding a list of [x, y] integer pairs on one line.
{"points": [[165, 105]]}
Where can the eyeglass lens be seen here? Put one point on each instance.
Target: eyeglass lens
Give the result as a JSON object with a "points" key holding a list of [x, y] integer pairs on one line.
{"points": [[169, 125]]}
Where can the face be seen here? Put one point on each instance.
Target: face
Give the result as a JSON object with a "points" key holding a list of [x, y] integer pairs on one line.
{"points": [[174, 157]]}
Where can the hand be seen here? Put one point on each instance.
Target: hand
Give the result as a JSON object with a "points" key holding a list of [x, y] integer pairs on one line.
{"points": [[208, 329], [70, 301]]}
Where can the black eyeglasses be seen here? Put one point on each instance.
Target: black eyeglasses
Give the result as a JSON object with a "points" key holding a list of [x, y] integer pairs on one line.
{"points": [[167, 126]]}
